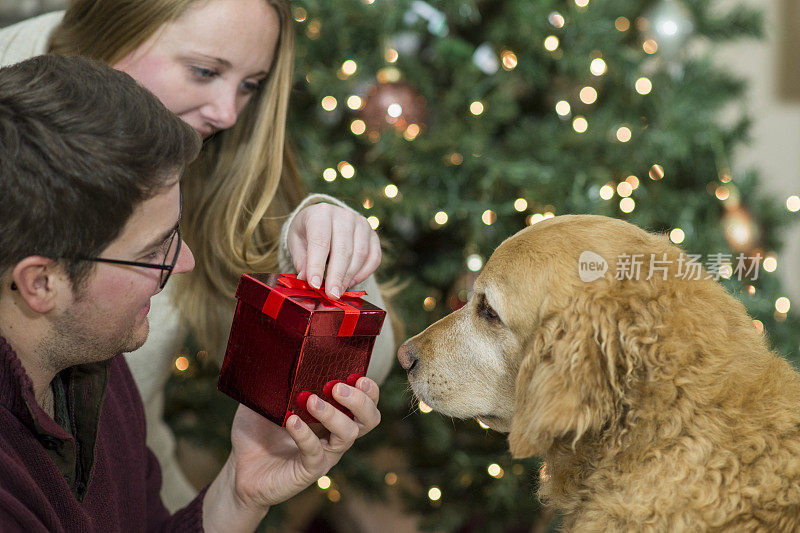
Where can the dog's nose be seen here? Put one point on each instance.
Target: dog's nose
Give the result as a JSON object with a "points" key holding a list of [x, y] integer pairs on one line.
{"points": [[408, 360]]}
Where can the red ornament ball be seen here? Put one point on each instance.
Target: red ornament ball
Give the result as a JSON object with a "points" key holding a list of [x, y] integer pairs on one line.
{"points": [[393, 105]]}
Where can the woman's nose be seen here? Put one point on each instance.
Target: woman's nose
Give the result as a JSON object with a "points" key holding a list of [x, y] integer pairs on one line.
{"points": [[223, 110]]}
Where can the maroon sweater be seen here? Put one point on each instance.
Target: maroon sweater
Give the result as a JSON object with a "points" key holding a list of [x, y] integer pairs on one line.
{"points": [[95, 475]]}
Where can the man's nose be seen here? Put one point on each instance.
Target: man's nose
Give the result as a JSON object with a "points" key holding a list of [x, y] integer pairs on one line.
{"points": [[185, 261]]}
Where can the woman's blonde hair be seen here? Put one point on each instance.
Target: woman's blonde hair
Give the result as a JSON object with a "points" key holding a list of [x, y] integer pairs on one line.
{"points": [[245, 180]]}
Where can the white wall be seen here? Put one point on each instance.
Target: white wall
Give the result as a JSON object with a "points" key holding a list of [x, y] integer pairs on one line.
{"points": [[775, 146]]}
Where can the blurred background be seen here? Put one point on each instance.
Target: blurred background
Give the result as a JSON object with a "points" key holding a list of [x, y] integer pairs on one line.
{"points": [[452, 124]]}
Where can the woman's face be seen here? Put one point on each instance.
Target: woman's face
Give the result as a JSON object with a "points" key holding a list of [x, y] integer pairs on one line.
{"points": [[207, 64]]}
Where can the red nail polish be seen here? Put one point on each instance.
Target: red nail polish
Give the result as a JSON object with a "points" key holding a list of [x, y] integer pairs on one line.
{"points": [[353, 378], [302, 399], [328, 388]]}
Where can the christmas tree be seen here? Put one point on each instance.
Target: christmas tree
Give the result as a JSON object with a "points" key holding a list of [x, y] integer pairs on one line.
{"points": [[453, 124]]}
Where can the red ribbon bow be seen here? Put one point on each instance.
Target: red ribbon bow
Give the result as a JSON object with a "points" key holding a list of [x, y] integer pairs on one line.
{"points": [[298, 287]]}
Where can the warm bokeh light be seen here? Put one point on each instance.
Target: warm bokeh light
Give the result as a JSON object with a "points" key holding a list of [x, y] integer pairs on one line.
{"points": [[390, 478], [300, 14], [509, 59], [624, 189], [626, 205], [329, 103], [751, 290], [656, 172], [182, 363], [580, 124], [434, 493], [489, 217], [556, 19], [722, 193], [551, 43], [634, 181], [324, 482], [440, 217], [622, 24], [411, 132], [581, 3], [346, 170], [394, 110], [650, 46], [367, 203], [563, 108], [373, 222], [588, 95], [624, 134], [388, 75], [677, 235], [495, 470], [358, 126], [782, 304], [329, 174], [770, 263], [429, 303], [391, 55], [424, 407], [644, 86], [456, 158], [598, 67], [390, 190], [759, 326], [606, 192], [354, 102], [481, 424], [476, 107], [793, 203], [520, 204], [474, 262], [349, 67]]}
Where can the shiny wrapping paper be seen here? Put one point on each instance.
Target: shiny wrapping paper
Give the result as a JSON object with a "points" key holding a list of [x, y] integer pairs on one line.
{"points": [[306, 343]]}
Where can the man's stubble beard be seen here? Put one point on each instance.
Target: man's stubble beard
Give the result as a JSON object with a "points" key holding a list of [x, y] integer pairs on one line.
{"points": [[72, 343]]}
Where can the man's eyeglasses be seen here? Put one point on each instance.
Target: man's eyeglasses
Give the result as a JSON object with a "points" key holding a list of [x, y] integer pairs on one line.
{"points": [[166, 265]]}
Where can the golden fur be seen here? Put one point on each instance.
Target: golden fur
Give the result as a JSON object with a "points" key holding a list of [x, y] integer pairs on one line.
{"points": [[656, 404]]}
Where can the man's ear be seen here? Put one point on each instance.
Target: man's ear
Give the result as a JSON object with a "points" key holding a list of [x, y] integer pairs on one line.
{"points": [[38, 280]]}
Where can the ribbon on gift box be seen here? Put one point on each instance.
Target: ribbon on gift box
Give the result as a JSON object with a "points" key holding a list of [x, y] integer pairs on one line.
{"points": [[289, 286]]}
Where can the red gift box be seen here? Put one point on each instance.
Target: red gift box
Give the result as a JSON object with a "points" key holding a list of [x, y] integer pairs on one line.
{"points": [[288, 337]]}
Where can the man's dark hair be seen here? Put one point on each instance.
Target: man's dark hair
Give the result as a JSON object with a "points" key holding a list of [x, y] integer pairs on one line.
{"points": [[81, 145]]}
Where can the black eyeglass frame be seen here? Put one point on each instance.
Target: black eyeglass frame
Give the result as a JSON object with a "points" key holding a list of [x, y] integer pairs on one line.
{"points": [[166, 270]]}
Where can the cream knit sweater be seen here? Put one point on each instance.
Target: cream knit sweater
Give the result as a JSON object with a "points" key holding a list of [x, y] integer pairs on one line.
{"points": [[151, 365]]}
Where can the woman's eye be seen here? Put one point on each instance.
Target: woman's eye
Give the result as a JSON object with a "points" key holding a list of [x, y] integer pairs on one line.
{"points": [[251, 86], [203, 73]]}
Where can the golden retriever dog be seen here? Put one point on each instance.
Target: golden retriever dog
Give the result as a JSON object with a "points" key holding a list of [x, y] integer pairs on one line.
{"points": [[651, 396]]}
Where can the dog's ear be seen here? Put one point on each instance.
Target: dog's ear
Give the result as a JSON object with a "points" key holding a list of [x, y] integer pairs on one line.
{"points": [[569, 379]]}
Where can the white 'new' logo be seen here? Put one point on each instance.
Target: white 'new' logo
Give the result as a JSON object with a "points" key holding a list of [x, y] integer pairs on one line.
{"points": [[591, 266]]}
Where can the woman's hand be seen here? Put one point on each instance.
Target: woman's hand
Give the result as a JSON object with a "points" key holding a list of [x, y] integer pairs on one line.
{"points": [[323, 233]]}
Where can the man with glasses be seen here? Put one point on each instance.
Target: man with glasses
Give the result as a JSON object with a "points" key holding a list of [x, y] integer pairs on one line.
{"points": [[89, 232]]}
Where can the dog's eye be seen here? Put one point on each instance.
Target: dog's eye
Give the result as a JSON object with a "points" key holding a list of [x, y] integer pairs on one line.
{"points": [[485, 310]]}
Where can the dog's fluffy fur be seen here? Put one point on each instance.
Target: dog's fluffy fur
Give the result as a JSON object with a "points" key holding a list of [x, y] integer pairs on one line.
{"points": [[656, 404]]}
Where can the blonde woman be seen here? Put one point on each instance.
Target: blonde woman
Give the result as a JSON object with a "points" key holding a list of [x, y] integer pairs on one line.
{"points": [[225, 68]]}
